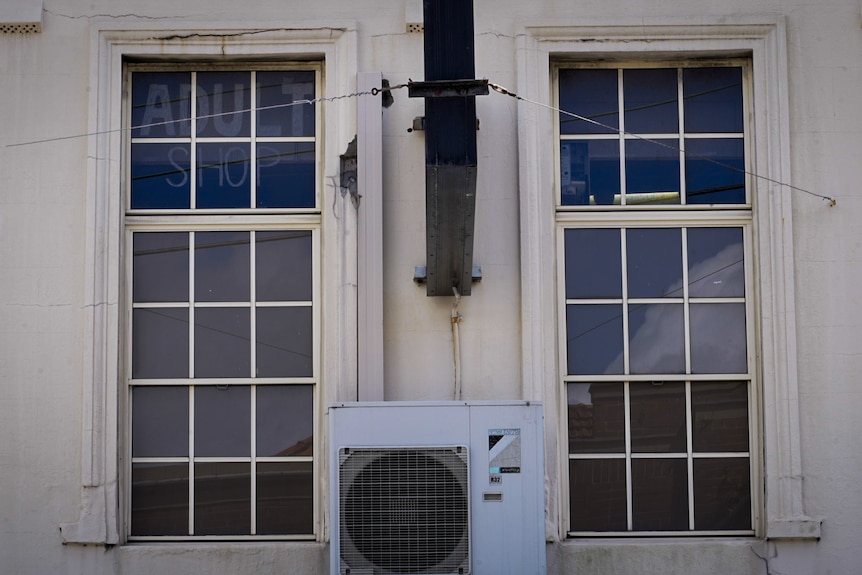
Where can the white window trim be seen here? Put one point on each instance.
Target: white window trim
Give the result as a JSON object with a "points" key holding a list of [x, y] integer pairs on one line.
{"points": [[764, 41], [333, 42]]}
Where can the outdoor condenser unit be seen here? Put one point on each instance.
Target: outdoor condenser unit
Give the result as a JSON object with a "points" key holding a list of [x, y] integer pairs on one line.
{"points": [[437, 488]]}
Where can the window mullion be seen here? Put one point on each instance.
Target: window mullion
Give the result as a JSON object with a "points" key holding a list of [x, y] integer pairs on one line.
{"points": [[681, 136], [621, 136]]}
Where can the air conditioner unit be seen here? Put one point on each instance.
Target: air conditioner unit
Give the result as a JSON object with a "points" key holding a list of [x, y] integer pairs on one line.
{"points": [[437, 488]]}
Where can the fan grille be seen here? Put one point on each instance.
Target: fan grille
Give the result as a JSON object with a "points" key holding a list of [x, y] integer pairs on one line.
{"points": [[404, 510]]}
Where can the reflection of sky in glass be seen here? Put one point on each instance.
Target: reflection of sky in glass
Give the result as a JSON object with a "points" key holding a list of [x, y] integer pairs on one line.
{"points": [[274, 90], [715, 262], [285, 419], [651, 101], [594, 339], [218, 93], [222, 421], [285, 175], [593, 263], [714, 171], [284, 342], [160, 343], [160, 267], [283, 266], [654, 262], [656, 338], [592, 94], [160, 176], [224, 179], [161, 98], [160, 421], [712, 99], [222, 266], [222, 347], [718, 338]]}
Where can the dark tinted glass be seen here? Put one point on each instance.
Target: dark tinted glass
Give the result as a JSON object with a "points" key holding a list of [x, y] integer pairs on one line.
{"points": [[719, 417], [651, 101], [283, 266], [658, 417], [722, 494], [218, 94], [718, 338], [715, 262], [593, 263], [275, 90], [284, 342], [222, 421], [654, 262], [659, 495], [652, 169], [160, 267], [161, 104], [597, 494], [160, 499], [222, 266], [160, 343], [160, 421], [285, 498], [590, 172], [656, 338], [592, 94], [160, 177], [224, 175], [222, 498], [596, 417], [714, 171], [222, 342], [594, 335], [285, 420], [713, 99], [285, 175]]}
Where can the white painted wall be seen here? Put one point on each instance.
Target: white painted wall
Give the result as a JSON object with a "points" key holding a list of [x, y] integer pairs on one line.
{"points": [[45, 83]]}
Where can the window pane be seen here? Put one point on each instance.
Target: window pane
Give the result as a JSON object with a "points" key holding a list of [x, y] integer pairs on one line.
{"points": [[722, 494], [160, 177], [652, 169], [160, 267], [651, 101], [285, 498], [590, 172], [719, 416], [224, 175], [222, 498], [160, 343], [718, 338], [285, 420], [597, 495], [658, 417], [160, 421], [654, 262], [163, 99], [715, 262], [596, 418], [656, 338], [594, 336], [593, 263], [222, 342], [222, 266], [275, 91], [283, 266], [284, 342], [659, 495], [713, 99], [592, 94], [714, 171], [222, 421], [219, 93], [160, 499], [285, 175]]}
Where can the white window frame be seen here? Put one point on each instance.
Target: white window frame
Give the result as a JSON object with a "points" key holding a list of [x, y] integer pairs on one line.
{"points": [[763, 42], [334, 44]]}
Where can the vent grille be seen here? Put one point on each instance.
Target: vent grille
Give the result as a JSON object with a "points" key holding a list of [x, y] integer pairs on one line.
{"points": [[404, 510]]}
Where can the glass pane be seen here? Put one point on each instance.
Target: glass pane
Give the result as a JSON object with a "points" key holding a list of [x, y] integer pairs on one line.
{"points": [[713, 99], [160, 176], [222, 421], [593, 263], [718, 338], [160, 499], [715, 171], [160, 343], [722, 494], [285, 420], [161, 104], [660, 495], [597, 495], [592, 94], [224, 175], [285, 498], [222, 342], [590, 172], [596, 418], [719, 417], [275, 92], [654, 262], [652, 172], [594, 335], [222, 266], [651, 101], [160, 421], [284, 342], [219, 93], [283, 266], [222, 498], [715, 262], [160, 267], [658, 417], [285, 175], [656, 338]]}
